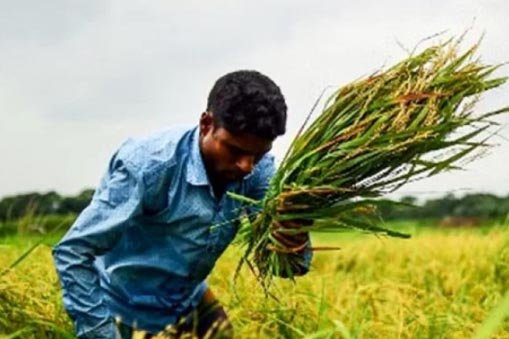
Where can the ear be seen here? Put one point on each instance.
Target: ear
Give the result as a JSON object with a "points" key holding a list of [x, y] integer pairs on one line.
{"points": [[206, 123]]}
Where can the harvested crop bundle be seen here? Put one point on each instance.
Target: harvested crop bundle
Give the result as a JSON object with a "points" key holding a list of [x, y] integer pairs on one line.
{"points": [[411, 121]]}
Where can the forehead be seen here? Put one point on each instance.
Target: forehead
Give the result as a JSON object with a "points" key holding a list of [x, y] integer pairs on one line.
{"points": [[247, 142]]}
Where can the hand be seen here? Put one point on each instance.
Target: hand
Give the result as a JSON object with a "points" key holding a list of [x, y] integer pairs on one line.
{"points": [[292, 242]]}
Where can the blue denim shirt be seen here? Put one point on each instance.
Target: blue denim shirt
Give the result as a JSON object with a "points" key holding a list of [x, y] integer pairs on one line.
{"points": [[143, 247]]}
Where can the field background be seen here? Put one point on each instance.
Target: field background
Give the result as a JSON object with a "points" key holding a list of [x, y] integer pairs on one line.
{"points": [[438, 284]]}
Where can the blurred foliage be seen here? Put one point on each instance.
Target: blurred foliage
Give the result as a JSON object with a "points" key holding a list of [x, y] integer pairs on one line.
{"points": [[41, 212], [476, 205], [439, 284], [50, 203]]}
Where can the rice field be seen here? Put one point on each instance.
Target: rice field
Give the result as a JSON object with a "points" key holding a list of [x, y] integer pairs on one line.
{"points": [[439, 284]]}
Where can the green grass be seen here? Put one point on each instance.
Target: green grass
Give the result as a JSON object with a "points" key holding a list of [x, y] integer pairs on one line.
{"points": [[439, 284]]}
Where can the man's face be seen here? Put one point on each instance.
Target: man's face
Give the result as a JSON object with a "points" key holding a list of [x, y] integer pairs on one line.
{"points": [[229, 157]]}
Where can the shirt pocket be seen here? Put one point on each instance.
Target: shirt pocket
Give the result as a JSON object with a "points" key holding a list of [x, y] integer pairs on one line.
{"points": [[158, 205]]}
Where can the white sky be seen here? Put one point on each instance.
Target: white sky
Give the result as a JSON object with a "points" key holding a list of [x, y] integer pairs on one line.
{"points": [[78, 77]]}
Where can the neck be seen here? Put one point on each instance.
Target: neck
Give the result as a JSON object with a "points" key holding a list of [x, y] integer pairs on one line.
{"points": [[218, 185]]}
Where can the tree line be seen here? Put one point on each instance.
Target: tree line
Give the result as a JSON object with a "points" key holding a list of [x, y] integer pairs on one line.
{"points": [[478, 205], [50, 203], [481, 205]]}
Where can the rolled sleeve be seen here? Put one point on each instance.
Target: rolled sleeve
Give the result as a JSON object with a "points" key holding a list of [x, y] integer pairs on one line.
{"points": [[97, 229]]}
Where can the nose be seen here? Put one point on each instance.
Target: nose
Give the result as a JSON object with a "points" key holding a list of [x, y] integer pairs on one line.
{"points": [[246, 163]]}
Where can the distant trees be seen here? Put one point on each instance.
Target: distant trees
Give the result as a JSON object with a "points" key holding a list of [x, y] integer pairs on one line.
{"points": [[17, 206], [481, 205]]}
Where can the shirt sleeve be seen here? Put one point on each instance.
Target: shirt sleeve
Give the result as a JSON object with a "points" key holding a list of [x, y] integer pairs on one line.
{"points": [[97, 229], [259, 184], [260, 179]]}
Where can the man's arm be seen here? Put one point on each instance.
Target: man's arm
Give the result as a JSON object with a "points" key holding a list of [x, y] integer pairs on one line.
{"points": [[301, 258], [96, 230]]}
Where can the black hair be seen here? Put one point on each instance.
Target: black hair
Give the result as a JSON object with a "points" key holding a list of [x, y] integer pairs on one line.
{"points": [[248, 101]]}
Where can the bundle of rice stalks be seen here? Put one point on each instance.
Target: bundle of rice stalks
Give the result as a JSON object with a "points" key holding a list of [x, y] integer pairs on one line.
{"points": [[374, 135]]}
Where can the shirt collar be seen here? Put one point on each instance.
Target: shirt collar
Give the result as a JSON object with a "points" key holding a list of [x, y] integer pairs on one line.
{"points": [[196, 173]]}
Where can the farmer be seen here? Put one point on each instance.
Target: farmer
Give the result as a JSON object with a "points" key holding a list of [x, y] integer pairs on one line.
{"points": [[137, 257]]}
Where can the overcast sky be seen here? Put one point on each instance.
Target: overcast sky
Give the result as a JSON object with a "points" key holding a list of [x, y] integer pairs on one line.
{"points": [[79, 77]]}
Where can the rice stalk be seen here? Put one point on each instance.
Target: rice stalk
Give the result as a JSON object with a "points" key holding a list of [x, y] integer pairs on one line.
{"points": [[411, 121]]}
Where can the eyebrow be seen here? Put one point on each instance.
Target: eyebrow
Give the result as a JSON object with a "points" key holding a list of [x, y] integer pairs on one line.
{"points": [[235, 147]]}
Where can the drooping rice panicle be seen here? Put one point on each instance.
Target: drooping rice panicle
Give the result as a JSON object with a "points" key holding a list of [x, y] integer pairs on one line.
{"points": [[408, 122]]}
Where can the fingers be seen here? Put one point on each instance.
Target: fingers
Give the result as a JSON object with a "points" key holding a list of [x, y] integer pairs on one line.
{"points": [[293, 223], [289, 240], [295, 249]]}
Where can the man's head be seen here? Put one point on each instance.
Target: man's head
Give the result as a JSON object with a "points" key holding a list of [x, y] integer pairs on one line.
{"points": [[245, 112]]}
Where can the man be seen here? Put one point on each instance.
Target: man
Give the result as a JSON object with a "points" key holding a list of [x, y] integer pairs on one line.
{"points": [[140, 252]]}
